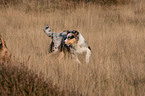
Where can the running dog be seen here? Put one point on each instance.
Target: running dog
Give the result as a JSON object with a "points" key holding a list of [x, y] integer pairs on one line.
{"points": [[57, 43], [5, 55], [79, 45]]}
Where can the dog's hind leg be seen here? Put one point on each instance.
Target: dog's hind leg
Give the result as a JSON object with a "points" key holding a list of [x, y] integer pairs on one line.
{"points": [[61, 55], [51, 47]]}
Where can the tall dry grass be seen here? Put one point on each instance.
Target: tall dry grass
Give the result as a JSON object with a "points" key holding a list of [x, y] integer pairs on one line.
{"points": [[18, 80], [116, 35]]}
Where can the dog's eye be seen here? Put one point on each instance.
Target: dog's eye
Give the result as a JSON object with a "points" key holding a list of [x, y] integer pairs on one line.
{"points": [[71, 37], [68, 37]]}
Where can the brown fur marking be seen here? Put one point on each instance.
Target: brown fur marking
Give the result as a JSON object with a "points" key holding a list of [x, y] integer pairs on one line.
{"points": [[71, 41]]}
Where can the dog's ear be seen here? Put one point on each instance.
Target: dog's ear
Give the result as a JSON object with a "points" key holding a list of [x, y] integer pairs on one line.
{"points": [[75, 32]]}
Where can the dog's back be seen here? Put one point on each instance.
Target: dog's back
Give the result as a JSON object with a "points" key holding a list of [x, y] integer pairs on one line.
{"points": [[58, 41]]}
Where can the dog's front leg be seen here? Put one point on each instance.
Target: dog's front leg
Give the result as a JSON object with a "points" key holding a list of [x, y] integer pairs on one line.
{"points": [[74, 55], [88, 54], [78, 60]]}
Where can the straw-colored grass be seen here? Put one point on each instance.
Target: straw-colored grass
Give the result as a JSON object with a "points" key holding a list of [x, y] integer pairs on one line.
{"points": [[116, 35]]}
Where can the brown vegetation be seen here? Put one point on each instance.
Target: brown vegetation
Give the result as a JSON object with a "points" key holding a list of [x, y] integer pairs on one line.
{"points": [[86, 1], [5, 55], [116, 35], [19, 81]]}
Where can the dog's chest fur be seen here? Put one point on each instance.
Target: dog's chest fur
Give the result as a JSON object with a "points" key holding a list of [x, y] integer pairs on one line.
{"points": [[81, 45]]}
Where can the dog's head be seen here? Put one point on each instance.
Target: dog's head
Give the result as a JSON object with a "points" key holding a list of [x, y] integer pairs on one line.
{"points": [[72, 37]]}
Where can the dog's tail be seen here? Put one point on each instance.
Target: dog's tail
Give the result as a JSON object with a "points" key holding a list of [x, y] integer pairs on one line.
{"points": [[46, 29]]}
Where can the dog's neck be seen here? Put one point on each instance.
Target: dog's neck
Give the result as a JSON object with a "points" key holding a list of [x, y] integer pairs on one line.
{"points": [[80, 40]]}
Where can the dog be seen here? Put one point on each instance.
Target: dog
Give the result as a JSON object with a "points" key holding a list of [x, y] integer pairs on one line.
{"points": [[5, 55], [78, 44], [57, 43]]}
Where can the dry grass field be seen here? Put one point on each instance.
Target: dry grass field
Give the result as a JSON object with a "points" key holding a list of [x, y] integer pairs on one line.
{"points": [[116, 35]]}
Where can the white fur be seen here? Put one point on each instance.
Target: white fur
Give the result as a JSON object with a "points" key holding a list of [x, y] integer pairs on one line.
{"points": [[80, 47]]}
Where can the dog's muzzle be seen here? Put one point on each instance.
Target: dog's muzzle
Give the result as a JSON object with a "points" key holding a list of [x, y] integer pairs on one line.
{"points": [[66, 42]]}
